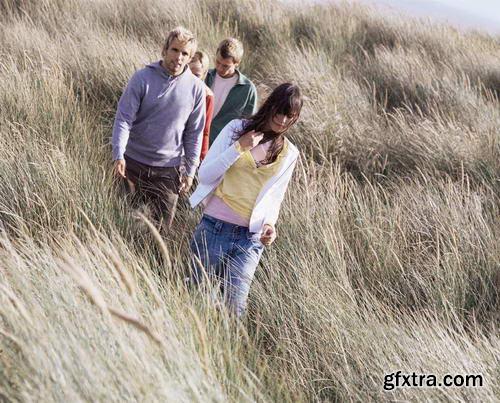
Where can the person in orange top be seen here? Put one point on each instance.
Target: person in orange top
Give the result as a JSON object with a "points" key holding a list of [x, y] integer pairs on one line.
{"points": [[199, 67]]}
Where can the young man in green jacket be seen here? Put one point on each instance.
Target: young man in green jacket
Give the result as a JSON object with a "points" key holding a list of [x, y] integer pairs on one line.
{"points": [[235, 95]]}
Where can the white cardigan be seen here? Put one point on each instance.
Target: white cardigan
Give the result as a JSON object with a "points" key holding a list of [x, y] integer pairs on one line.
{"points": [[222, 154]]}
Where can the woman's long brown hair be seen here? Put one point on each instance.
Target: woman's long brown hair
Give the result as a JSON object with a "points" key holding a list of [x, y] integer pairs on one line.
{"points": [[286, 99]]}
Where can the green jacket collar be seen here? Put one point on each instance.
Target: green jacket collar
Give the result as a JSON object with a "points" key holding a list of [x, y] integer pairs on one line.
{"points": [[242, 79]]}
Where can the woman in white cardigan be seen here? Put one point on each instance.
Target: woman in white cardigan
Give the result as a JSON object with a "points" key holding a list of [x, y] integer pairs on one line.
{"points": [[242, 182]]}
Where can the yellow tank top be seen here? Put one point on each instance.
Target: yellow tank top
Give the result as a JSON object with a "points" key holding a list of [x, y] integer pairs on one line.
{"points": [[243, 182]]}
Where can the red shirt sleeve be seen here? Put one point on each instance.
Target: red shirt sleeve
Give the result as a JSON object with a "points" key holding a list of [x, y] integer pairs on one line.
{"points": [[208, 123]]}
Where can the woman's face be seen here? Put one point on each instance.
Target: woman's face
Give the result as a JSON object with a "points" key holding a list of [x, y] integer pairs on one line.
{"points": [[280, 123], [197, 69]]}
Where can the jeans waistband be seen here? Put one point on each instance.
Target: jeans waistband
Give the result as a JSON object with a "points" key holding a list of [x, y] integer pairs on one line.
{"points": [[226, 227]]}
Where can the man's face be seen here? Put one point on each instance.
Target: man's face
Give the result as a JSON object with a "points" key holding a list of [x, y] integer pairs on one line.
{"points": [[225, 67], [176, 57]]}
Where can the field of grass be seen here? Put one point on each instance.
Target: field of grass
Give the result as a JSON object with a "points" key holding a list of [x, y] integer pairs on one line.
{"points": [[388, 252]]}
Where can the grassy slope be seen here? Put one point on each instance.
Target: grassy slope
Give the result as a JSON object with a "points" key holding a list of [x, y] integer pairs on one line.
{"points": [[388, 253]]}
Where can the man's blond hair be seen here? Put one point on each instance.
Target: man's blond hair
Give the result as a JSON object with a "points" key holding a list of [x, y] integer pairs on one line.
{"points": [[231, 47], [182, 35]]}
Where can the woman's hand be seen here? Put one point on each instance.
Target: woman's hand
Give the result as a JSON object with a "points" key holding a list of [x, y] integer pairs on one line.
{"points": [[250, 140], [268, 235]]}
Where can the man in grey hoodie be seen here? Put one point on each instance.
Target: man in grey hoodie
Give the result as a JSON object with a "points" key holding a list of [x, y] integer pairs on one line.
{"points": [[160, 119]]}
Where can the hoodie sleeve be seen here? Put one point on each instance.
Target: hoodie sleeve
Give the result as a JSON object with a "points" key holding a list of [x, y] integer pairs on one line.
{"points": [[128, 105], [192, 137]]}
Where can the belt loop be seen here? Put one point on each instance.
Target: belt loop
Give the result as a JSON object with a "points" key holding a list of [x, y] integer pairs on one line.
{"points": [[218, 225]]}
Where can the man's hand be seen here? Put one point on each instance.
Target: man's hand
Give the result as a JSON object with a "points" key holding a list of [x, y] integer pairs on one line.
{"points": [[186, 183], [119, 168], [250, 140], [268, 235]]}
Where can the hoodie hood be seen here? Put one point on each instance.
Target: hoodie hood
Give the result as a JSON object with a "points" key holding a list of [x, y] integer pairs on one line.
{"points": [[156, 66], [165, 75]]}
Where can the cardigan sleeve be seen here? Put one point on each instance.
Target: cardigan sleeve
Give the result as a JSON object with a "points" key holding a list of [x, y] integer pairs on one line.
{"points": [[279, 194], [221, 155]]}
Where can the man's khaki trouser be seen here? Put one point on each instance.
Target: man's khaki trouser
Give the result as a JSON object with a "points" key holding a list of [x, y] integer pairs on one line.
{"points": [[156, 186]]}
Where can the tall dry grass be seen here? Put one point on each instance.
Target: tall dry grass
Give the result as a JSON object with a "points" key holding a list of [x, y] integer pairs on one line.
{"points": [[387, 257]]}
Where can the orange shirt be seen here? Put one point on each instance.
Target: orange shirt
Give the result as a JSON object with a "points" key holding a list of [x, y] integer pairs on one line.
{"points": [[208, 122]]}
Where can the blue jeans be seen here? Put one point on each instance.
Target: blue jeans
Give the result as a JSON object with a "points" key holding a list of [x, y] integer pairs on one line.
{"points": [[228, 253]]}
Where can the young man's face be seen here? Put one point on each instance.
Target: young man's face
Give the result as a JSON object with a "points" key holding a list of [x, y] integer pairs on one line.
{"points": [[176, 57], [225, 67]]}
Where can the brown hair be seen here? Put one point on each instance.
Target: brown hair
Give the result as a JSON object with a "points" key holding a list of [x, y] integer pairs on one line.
{"points": [[285, 99], [231, 47]]}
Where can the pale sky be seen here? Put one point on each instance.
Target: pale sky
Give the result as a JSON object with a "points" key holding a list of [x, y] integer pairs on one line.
{"points": [[486, 8], [476, 14], [467, 14]]}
